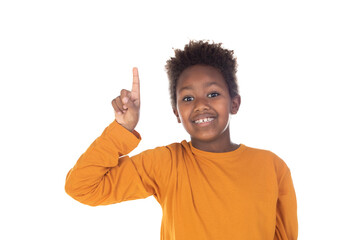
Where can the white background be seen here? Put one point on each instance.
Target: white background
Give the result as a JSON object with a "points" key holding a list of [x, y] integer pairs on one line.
{"points": [[62, 62]]}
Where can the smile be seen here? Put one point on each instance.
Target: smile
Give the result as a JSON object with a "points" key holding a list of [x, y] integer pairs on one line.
{"points": [[204, 120]]}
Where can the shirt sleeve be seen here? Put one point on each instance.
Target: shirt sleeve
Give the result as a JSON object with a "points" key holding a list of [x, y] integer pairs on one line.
{"points": [[286, 210], [104, 174]]}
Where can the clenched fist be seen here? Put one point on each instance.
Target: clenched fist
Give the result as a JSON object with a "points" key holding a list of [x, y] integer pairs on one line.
{"points": [[126, 106]]}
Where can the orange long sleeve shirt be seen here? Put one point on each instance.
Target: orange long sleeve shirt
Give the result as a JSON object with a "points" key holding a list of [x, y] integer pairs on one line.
{"points": [[246, 194]]}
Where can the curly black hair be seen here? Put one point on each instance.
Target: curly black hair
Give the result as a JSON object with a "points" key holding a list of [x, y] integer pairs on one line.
{"points": [[202, 53]]}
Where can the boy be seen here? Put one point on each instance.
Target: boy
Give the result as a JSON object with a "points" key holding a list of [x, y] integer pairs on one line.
{"points": [[209, 188]]}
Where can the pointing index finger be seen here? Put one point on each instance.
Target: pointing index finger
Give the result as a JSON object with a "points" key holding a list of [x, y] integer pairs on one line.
{"points": [[135, 86]]}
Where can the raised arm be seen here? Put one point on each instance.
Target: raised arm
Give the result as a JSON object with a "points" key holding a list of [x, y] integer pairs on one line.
{"points": [[104, 174]]}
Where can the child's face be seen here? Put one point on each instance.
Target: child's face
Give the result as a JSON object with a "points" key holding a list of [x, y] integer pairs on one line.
{"points": [[204, 104]]}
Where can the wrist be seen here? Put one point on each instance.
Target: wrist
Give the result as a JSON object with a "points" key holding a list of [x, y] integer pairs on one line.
{"points": [[129, 128]]}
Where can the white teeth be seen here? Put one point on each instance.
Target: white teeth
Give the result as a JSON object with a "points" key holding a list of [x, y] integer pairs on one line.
{"points": [[204, 120]]}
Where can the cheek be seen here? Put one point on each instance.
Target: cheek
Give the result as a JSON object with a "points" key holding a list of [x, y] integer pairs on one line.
{"points": [[184, 115], [183, 111], [224, 107]]}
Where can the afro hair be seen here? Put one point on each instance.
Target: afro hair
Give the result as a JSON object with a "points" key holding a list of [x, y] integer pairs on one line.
{"points": [[202, 53]]}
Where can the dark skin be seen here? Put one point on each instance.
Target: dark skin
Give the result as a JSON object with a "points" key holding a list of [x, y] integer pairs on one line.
{"points": [[204, 106], [127, 105]]}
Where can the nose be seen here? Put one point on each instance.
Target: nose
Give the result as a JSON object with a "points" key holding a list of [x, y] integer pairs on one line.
{"points": [[201, 104]]}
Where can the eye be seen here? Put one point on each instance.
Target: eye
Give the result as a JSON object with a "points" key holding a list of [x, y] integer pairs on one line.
{"points": [[188, 99], [213, 94]]}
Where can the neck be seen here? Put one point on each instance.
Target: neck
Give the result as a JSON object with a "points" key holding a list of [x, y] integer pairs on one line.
{"points": [[222, 144]]}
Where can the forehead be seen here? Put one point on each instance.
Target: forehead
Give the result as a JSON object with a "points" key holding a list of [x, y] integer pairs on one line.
{"points": [[200, 75]]}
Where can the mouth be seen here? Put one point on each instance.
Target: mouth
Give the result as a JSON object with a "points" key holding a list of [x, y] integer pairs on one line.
{"points": [[204, 120]]}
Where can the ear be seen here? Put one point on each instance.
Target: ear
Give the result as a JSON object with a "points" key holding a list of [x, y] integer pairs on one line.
{"points": [[175, 111], [235, 104]]}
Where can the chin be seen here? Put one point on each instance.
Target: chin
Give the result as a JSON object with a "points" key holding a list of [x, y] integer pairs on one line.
{"points": [[205, 138], [211, 136]]}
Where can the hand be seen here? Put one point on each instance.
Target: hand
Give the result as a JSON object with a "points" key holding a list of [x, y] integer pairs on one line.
{"points": [[126, 106]]}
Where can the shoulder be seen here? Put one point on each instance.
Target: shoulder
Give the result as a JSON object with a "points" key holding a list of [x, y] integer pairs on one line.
{"points": [[169, 150], [268, 157], [183, 146], [270, 161]]}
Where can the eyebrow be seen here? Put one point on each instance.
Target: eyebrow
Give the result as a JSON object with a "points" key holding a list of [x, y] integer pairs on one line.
{"points": [[206, 85]]}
